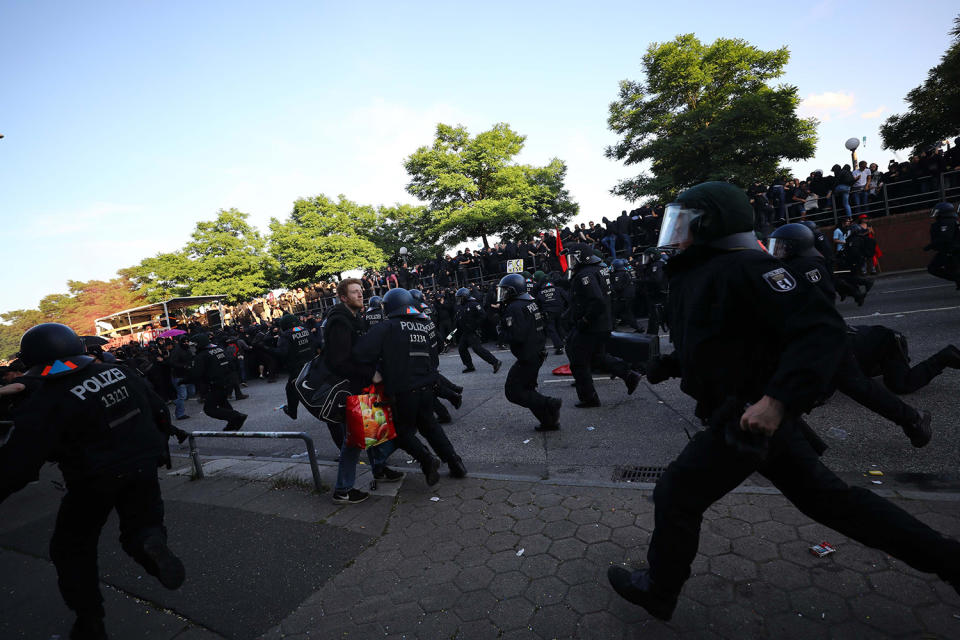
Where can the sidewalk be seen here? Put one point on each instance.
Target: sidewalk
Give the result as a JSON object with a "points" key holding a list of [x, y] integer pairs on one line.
{"points": [[471, 559]]}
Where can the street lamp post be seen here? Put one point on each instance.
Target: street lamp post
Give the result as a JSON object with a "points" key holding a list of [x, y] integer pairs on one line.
{"points": [[851, 144]]}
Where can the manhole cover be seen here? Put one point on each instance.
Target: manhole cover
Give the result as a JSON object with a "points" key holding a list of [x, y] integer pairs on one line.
{"points": [[632, 473]]}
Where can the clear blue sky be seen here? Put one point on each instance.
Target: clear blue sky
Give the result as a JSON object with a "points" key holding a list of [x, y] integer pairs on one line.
{"points": [[127, 122]]}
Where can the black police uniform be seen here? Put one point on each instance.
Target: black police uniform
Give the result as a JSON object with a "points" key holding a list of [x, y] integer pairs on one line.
{"points": [[654, 291], [553, 301], [945, 240], [624, 292], [522, 327], [743, 328], [815, 270], [107, 430], [881, 351], [470, 318], [373, 316], [592, 320], [404, 348], [296, 347], [212, 369]]}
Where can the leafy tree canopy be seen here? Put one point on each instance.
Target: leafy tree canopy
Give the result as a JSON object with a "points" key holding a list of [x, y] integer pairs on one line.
{"points": [[934, 112], [323, 238], [474, 189], [408, 226], [707, 112]]}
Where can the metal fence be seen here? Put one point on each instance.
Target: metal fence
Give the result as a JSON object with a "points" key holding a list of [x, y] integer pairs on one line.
{"points": [[311, 452], [893, 197]]}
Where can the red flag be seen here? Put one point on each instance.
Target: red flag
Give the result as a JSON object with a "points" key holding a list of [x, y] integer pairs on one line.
{"points": [[559, 250]]}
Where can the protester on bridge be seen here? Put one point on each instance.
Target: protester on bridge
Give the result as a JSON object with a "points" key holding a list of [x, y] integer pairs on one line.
{"points": [[756, 350], [945, 240], [106, 429]]}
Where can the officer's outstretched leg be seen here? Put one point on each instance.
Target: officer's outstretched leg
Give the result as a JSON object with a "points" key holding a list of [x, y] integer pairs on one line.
{"points": [[859, 514], [437, 438], [406, 413], [293, 398], [521, 389], [442, 414], [705, 471], [463, 347], [900, 377], [580, 352], [552, 328], [482, 351], [218, 407]]}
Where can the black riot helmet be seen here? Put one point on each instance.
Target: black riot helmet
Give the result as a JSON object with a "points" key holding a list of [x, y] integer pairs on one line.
{"points": [[376, 301], [717, 214], [52, 349], [463, 294], [399, 302], [287, 321], [578, 254], [619, 264], [417, 295], [943, 210], [792, 239], [511, 286]]}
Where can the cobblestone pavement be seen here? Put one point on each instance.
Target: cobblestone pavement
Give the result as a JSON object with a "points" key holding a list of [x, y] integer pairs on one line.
{"points": [[496, 559]]}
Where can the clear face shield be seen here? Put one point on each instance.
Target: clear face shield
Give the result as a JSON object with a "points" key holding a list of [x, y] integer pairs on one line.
{"points": [[573, 259], [675, 229], [778, 248], [504, 294]]}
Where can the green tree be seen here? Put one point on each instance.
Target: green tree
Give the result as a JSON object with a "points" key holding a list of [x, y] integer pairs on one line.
{"points": [[13, 324], [230, 258], [323, 238], [163, 276], [408, 226], [707, 112], [474, 189], [934, 112]]}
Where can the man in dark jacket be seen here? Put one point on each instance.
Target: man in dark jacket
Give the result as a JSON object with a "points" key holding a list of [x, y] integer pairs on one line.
{"points": [[214, 372], [107, 430], [756, 349], [469, 320], [181, 367], [296, 346]]}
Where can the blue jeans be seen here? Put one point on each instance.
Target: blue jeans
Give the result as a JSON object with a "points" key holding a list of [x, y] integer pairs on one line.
{"points": [[843, 191], [610, 242], [859, 199], [178, 404], [350, 456]]}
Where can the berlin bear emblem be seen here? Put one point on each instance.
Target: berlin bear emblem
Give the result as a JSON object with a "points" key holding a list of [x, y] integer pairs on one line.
{"points": [[813, 275], [780, 280]]}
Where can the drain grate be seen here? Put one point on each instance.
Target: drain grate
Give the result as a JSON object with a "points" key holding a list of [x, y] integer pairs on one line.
{"points": [[631, 473]]}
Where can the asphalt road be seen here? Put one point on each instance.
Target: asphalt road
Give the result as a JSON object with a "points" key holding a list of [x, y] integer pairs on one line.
{"points": [[650, 427]]}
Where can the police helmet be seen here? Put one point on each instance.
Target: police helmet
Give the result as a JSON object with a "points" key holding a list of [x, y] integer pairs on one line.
{"points": [[399, 302], [792, 239], [376, 301], [288, 321], [463, 293], [712, 213], [619, 264], [417, 295], [578, 254], [51, 349], [943, 210], [510, 287]]}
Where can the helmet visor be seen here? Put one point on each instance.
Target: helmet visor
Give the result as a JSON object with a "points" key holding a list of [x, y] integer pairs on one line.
{"points": [[675, 230], [573, 259], [505, 293], [778, 248]]}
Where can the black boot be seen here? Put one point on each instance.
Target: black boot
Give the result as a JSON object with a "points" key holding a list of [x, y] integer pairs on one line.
{"points": [[457, 469], [949, 356], [638, 588], [632, 380], [162, 564], [920, 431], [430, 468]]}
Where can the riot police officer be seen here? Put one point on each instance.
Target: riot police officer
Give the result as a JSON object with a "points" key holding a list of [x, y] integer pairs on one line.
{"points": [[404, 349], [755, 350], [374, 312], [654, 288], [624, 290], [296, 346], [213, 371], [794, 244], [469, 319], [444, 388], [553, 302], [945, 240], [522, 328], [107, 430], [592, 320]]}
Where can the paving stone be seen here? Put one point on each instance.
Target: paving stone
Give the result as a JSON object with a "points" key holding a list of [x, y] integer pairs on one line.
{"points": [[476, 605], [794, 626], [589, 597], [776, 532], [547, 498], [885, 615], [560, 529], [842, 582], [733, 567], [601, 626], [539, 566], [474, 578], [712, 544], [440, 599], [730, 528], [762, 597], [568, 549], [629, 537], [940, 619], [604, 551], [473, 557], [436, 624], [904, 589], [523, 497], [554, 621], [535, 544], [505, 561], [756, 550], [494, 496], [523, 512], [817, 604], [554, 514], [736, 621], [860, 558], [440, 572], [749, 513], [509, 614], [593, 533], [527, 527], [508, 585], [614, 518], [502, 541], [709, 590], [580, 570], [789, 514]]}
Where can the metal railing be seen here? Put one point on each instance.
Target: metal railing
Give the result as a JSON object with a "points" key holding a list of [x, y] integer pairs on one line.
{"points": [[311, 453]]}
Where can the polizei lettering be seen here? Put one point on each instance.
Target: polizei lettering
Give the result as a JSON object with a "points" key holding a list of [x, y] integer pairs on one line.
{"points": [[412, 326], [97, 382]]}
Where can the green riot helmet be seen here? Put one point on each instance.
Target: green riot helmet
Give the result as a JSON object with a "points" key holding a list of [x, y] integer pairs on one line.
{"points": [[717, 214]]}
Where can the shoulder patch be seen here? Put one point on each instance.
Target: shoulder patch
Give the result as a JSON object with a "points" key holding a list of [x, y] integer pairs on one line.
{"points": [[813, 275], [780, 280], [585, 279]]}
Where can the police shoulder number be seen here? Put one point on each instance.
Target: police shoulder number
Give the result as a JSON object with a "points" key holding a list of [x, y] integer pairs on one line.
{"points": [[780, 280]]}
